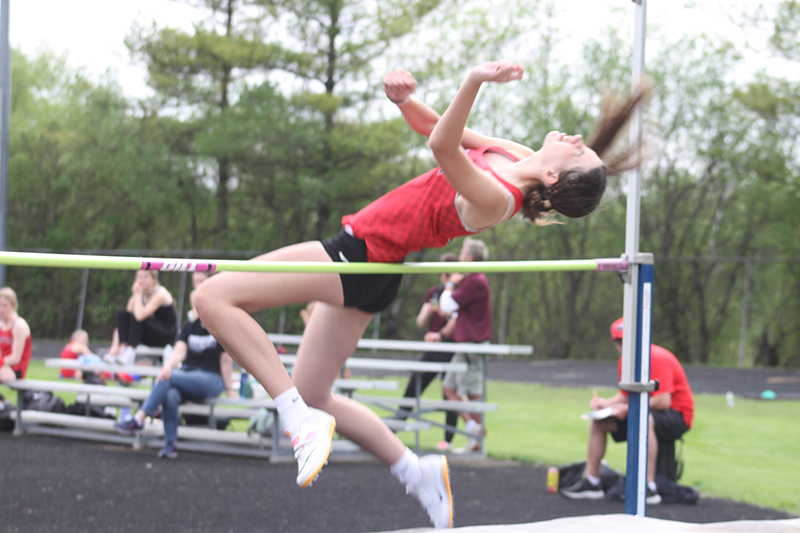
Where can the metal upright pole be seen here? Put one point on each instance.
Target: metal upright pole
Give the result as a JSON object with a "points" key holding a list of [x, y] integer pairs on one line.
{"points": [[82, 305], [5, 112], [632, 378], [748, 272]]}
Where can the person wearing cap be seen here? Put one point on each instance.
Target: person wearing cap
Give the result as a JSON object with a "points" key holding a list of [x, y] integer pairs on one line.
{"points": [[671, 413]]}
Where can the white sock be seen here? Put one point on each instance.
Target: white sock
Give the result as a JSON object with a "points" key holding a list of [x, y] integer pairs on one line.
{"points": [[407, 470], [652, 486], [470, 425], [594, 480], [292, 408]]}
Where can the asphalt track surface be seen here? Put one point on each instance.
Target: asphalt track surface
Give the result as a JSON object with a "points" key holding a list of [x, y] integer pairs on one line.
{"points": [[62, 485]]}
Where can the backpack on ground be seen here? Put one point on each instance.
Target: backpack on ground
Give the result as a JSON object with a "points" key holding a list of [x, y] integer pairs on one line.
{"points": [[669, 491], [193, 420], [261, 423], [6, 421], [672, 492], [95, 411], [33, 400], [570, 474]]}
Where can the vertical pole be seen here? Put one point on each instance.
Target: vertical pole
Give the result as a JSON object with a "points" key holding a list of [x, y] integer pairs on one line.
{"points": [[748, 271], [639, 402], [182, 298], [631, 349], [376, 329], [282, 320], [5, 112], [82, 305]]}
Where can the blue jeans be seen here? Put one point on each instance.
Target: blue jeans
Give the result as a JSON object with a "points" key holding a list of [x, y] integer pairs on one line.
{"points": [[188, 384]]}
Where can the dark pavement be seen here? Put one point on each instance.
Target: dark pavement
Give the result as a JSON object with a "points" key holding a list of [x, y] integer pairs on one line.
{"points": [[63, 485]]}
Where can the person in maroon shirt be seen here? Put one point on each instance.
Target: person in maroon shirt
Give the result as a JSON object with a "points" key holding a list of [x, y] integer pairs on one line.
{"points": [[436, 330], [469, 298], [480, 182], [671, 415]]}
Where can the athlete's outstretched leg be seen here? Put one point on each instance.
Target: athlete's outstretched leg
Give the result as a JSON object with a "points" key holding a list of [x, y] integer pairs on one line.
{"points": [[224, 303], [330, 338]]}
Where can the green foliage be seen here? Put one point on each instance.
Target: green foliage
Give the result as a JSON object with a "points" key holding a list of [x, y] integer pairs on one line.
{"points": [[268, 125], [786, 30]]}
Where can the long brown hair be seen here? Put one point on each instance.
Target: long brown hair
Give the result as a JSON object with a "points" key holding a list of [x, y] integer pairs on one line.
{"points": [[577, 193]]}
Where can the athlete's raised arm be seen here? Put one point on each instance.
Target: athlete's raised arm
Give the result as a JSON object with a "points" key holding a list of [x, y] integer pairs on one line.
{"points": [[475, 185]]}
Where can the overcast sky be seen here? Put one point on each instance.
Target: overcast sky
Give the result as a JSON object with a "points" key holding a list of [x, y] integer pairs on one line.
{"points": [[91, 32]]}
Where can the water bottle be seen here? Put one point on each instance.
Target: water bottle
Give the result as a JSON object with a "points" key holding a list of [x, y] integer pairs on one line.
{"points": [[242, 383]]}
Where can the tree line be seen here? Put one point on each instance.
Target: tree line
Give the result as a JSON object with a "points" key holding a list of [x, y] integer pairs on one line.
{"points": [[268, 123]]}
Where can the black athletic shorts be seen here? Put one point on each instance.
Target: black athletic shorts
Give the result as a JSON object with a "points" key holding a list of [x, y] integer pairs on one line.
{"points": [[670, 425], [371, 293]]}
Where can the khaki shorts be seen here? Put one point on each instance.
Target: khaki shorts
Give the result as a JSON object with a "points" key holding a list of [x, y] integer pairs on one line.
{"points": [[469, 383]]}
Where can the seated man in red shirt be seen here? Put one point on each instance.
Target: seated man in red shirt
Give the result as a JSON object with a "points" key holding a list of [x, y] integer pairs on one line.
{"points": [[671, 412]]}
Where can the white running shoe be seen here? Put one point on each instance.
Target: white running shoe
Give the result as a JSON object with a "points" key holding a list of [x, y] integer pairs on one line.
{"points": [[434, 490], [312, 445], [474, 442]]}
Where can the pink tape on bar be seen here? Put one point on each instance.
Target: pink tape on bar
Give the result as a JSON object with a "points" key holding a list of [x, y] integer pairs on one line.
{"points": [[178, 266], [614, 265]]}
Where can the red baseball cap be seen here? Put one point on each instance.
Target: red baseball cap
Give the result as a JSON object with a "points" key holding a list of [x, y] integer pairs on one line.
{"points": [[616, 329]]}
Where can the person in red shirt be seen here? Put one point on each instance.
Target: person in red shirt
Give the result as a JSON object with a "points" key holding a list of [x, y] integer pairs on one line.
{"points": [[15, 338], [78, 345], [671, 415], [480, 182]]}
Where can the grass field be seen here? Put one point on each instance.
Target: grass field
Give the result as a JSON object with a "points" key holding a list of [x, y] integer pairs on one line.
{"points": [[749, 452]]}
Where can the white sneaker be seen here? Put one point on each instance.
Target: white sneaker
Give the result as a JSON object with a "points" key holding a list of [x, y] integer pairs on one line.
{"points": [[474, 441], [312, 445], [127, 356], [434, 490]]}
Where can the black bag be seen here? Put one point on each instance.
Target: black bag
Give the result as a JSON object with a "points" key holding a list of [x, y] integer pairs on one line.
{"points": [[6, 408], [669, 491], [570, 474], [34, 400], [672, 492], [202, 421], [95, 411]]}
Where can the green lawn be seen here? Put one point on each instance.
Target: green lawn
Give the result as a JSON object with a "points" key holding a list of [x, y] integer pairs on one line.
{"points": [[748, 453]]}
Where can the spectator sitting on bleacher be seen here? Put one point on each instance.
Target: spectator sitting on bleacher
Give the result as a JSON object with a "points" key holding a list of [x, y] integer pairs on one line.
{"points": [[15, 338], [202, 375], [78, 345], [149, 318], [671, 413]]}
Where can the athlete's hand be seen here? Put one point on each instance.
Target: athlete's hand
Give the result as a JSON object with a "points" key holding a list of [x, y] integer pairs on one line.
{"points": [[398, 85], [497, 71]]}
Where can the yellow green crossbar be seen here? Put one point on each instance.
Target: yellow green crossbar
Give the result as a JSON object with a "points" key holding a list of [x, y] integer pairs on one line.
{"points": [[101, 262]]}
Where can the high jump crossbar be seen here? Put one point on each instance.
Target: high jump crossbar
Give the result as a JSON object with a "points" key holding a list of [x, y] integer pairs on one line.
{"points": [[99, 262]]}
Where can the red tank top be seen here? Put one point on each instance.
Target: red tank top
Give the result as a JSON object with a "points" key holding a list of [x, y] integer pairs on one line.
{"points": [[419, 214], [6, 344]]}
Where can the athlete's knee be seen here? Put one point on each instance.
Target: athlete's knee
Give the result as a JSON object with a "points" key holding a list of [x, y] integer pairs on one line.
{"points": [[204, 298], [316, 397]]}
